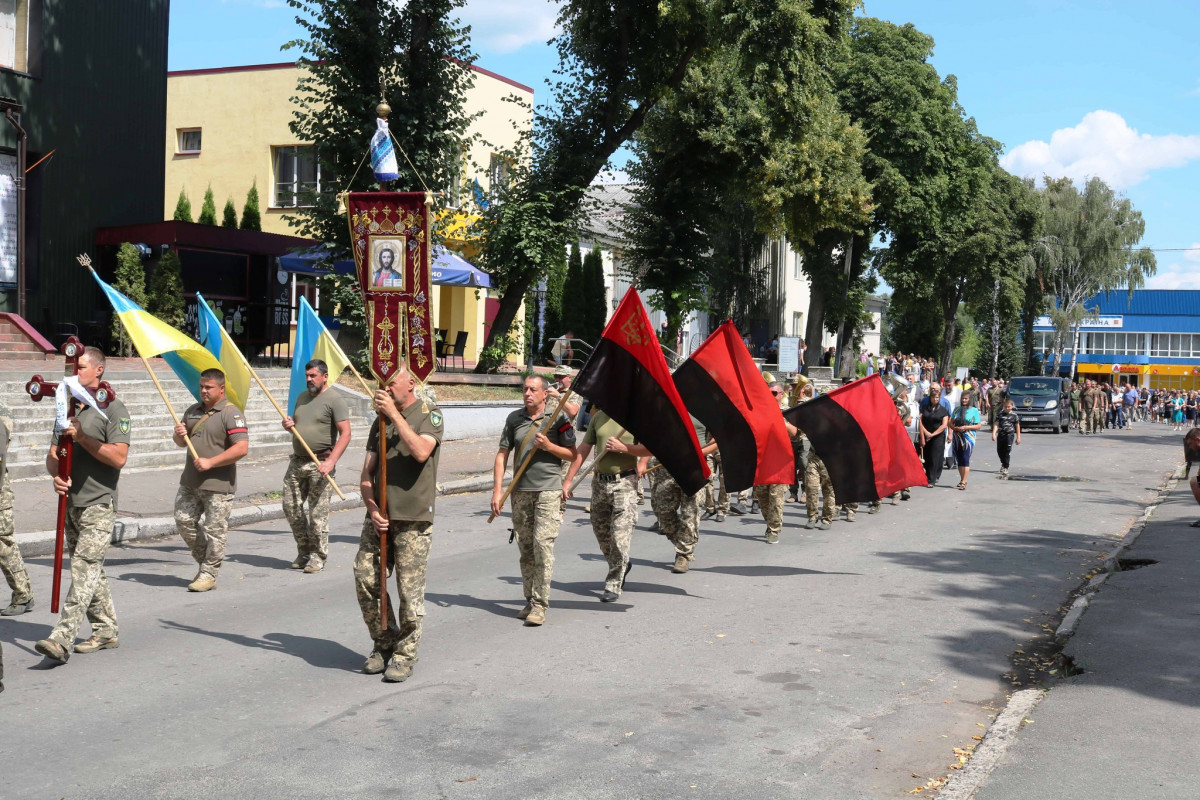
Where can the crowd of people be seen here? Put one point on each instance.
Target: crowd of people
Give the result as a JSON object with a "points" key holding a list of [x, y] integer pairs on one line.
{"points": [[1100, 405]]}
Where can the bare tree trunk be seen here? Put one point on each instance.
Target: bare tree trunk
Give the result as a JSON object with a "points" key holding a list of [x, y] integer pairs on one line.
{"points": [[814, 332], [1075, 348], [947, 342], [995, 329]]}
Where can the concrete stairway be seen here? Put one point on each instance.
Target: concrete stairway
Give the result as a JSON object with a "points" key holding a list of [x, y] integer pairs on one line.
{"points": [[17, 342], [151, 446]]}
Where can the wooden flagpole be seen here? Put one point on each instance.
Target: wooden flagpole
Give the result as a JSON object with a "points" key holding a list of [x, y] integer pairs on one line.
{"points": [[529, 456]]}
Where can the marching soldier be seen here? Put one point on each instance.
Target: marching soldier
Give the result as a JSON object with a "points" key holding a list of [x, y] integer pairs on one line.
{"points": [[100, 451], [678, 513], [413, 436], [10, 555], [770, 496], [323, 421], [537, 504], [217, 430], [818, 488], [614, 496]]}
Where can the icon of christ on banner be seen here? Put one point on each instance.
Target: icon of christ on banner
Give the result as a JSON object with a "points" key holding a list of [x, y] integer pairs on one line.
{"points": [[386, 263]]}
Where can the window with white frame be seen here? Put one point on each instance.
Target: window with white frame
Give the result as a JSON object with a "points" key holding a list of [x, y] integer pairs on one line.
{"points": [[14, 35], [797, 323], [188, 141], [297, 176], [498, 169]]}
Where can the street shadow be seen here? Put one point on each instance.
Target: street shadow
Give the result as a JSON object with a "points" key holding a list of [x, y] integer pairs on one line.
{"points": [[266, 562], [508, 608], [126, 562], [154, 579], [320, 653], [766, 571], [14, 628]]}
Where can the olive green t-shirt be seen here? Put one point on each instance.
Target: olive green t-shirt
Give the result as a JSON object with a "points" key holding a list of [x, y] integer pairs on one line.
{"points": [[316, 418], [600, 429], [93, 482], [212, 432], [411, 485], [544, 472]]}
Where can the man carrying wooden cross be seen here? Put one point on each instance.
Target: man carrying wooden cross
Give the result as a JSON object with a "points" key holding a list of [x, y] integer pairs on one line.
{"points": [[537, 506]]}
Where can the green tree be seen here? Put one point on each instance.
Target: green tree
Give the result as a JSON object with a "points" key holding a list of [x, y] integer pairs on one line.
{"points": [[208, 210], [229, 216], [617, 60], [574, 299], [165, 300], [251, 218], [183, 208], [594, 312], [130, 280], [1088, 248]]}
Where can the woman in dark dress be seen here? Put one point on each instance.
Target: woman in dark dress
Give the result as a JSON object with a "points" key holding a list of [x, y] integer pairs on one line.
{"points": [[934, 420]]}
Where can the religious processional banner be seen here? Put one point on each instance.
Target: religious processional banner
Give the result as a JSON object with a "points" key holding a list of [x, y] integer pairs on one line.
{"points": [[390, 239]]}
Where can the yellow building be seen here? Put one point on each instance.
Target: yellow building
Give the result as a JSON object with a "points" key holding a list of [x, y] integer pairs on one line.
{"points": [[228, 128]]}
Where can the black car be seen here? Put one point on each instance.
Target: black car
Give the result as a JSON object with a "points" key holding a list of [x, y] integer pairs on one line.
{"points": [[1042, 402]]}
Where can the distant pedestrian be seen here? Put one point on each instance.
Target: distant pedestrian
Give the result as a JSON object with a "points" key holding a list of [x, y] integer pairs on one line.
{"points": [[1006, 431], [932, 433], [965, 423]]}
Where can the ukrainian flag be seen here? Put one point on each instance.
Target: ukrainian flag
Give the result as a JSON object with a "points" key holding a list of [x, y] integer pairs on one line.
{"points": [[153, 337], [313, 340], [214, 336]]}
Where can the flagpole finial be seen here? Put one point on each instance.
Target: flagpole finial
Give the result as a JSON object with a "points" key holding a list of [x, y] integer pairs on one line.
{"points": [[383, 109]]}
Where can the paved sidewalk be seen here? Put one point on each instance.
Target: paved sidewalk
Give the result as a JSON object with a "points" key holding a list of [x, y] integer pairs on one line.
{"points": [[1127, 726], [146, 499]]}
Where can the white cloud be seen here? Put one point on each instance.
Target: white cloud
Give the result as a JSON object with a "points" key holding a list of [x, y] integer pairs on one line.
{"points": [[609, 177], [507, 25], [1102, 145], [1184, 275]]}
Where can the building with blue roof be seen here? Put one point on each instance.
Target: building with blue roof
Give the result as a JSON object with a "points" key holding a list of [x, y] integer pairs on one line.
{"points": [[1150, 338]]}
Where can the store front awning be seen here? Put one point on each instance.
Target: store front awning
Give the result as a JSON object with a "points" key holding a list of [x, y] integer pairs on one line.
{"points": [[449, 269]]}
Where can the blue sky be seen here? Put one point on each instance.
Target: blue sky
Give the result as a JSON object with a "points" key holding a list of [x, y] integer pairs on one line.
{"points": [[1071, 88]]}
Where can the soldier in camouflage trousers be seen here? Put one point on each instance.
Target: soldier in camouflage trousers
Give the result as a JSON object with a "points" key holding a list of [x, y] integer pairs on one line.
{"points": [[10, 555], [303, 482], [818, 485], [678, 515], [408, 550], [202, 519], [770, 501], [101, 448]]}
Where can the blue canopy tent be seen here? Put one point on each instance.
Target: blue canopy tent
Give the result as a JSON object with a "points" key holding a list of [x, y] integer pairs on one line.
{"points": [[449, 269]]}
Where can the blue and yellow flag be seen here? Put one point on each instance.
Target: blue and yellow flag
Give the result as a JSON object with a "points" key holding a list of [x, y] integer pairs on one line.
{"points": [[153, 337], [313, 340], [218, 341]]}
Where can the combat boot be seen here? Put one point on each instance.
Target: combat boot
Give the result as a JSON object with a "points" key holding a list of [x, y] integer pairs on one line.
{"points": [[95, 643], [203, 583], [537, 616], [397, 671], [681, 565], [376, 662], [314, 565], [300, 562], [52, 650], [772, 537], [16, 609], [524, 612]]}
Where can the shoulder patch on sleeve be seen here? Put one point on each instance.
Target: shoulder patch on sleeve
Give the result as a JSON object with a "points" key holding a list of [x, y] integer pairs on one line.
{"points": [[435, 417], [124, 424]]}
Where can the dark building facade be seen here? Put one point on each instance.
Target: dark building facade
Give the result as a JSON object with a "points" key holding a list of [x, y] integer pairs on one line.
{"points": [[92, 77]]}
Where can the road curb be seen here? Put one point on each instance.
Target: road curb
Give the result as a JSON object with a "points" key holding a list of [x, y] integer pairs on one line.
{"points": [[964, 783], [130, 529]]}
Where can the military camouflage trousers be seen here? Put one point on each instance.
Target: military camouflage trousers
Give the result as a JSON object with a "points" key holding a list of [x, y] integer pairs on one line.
{"points": [[770, 502], [11, 563], [818, 485], [614, 513], [678, 514], [206, 540], [88, 532], [716, 498], [408, 553], [302, 483], [536, 519]]}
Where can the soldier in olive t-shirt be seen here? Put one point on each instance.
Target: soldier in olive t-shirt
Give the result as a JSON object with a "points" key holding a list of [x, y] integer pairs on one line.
{"points": [[100, 449], [322, 420], [412, 440], [217, 430], [537, 505]]}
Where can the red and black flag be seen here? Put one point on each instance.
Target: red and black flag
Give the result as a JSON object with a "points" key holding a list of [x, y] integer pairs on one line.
{"points": [[724, 389], [858, 434], [627, 377]]}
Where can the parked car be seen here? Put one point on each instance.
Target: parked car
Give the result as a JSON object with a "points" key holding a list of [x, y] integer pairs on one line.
{"points": [[1041, 402]]}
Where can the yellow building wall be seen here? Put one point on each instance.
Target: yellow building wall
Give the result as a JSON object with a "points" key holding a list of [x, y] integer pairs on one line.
{"points": [[243, 112]]}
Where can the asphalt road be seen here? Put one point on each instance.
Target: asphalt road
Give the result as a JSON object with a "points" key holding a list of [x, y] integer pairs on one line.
{"points": [[837, 664]]}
